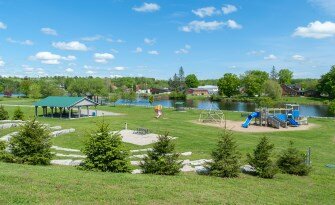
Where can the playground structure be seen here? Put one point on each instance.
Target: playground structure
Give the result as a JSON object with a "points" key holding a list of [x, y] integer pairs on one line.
{"points": [[212, 115], [158, 110], [277, 117]]}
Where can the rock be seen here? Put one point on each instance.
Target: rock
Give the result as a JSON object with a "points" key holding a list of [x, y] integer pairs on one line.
{"points": [[56, 128], [200, 162], [9, 125], [186, 154], [201, 170], [70, 155], [66, 162], [65, 149], [7, 137], [186, 162], [11, 121], [135, 163], [141, 150], [62, 132], [137, 171], [248, 169], [140, 156], [187, 168]]}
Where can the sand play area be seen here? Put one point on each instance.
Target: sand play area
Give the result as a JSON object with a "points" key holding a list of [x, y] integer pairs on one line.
{"points": [[130, 136], [237, 126]]}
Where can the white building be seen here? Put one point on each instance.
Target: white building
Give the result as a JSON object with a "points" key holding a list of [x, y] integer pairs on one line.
{"points": [[212, 89]]}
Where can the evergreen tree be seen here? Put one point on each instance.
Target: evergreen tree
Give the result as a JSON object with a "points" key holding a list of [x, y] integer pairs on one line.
{"points": [[18, 114], [32, 144], [274, 74], [3, 113], [291, 161], [261, 161], [162, 159], [225, 157], [106, 152]]}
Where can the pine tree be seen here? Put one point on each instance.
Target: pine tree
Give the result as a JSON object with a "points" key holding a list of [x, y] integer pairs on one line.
{"points": [[291, 161], [32, 144], [225, 157], [3, 113], [18, 114], [106, 152], [274, 74], [162, 160], [261, 161]]}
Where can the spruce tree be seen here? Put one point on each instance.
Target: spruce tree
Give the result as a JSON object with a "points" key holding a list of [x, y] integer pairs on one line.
{"points": [[32, 144], [106, 152], [261, 161], [18, 114], [291, 161], [225, 157], [3, 113], [162, 159]]}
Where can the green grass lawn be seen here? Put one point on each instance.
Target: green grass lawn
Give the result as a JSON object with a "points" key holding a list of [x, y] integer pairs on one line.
{"points": [[63, 185]]}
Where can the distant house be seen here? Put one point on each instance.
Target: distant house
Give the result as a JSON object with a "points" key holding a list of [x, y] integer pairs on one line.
{"points": [[296, 90], [212, 89], [159, 90], [197, 91]]}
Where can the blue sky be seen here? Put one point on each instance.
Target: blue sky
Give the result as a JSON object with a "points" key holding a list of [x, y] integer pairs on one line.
{"points": [[110, 38]]}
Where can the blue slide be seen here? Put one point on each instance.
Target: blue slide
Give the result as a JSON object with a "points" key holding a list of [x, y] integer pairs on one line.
{"points": [[293, 122], [247, 121]]}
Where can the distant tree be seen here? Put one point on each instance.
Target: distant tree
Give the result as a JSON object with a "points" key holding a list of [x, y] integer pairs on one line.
{"points": [[114, 97], [3, 113], [35, 91], [32, 144], [254, 81], [274, 74], [291, 161], [181, 74], [229, 84], [331, 107], [261, 161], [273, 89], [192, 81], [285, 76], [105, 152], [162, 160], [326, 84], [25, 86], [151, 99], [18, 114], [225, 157]]}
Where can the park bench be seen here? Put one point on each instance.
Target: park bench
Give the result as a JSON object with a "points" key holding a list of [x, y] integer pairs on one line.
{"points": [[142, 131]]}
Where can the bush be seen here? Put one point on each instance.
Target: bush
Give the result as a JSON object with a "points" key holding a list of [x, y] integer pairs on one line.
{"points": [[4, 155], [162, 160], [225, 157], [291, 161], [3, 113], [32, 144], [331, 108], [106, 152], [264, 102], [18, 114], [261, 161], [177, 96]]}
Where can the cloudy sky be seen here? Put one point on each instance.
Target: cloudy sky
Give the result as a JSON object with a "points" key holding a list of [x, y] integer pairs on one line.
{"points": [[154, 38]]}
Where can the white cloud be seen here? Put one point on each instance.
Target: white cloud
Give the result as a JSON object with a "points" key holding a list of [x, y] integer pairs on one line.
{"points": [[119, 68], [198, 26], [69, 58], [103, 57], [270, 57], [138, 50], [73, 46], [233, 25], [326, 5], [92, 38], [149, 41], [48, 58], [184, 50], [256, 53], [26, 42], [69, 70], [90, 72], [153, 52], [116, 76], [206, 11], [3, 25], [227, 9], [317, 30], [2, 63], [115, 41], [298, 57], [147, 7], [49, 31]]}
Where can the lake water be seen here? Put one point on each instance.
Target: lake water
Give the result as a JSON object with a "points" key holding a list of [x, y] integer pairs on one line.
{"points": [[305, 110]]}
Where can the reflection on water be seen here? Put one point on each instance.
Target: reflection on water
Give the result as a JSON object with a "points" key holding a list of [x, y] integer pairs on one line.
{"points": [[305, 110]]}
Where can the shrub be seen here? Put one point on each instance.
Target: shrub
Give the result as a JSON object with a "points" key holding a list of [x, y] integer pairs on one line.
{"points": [[331, 108], [106, 152], [225, 157], [264, 102], [4, 155], [162, 160], [18, 114], [291, 161], [3, 113], [177, 95], [261, 161], [151, 99], [32, 144]]}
